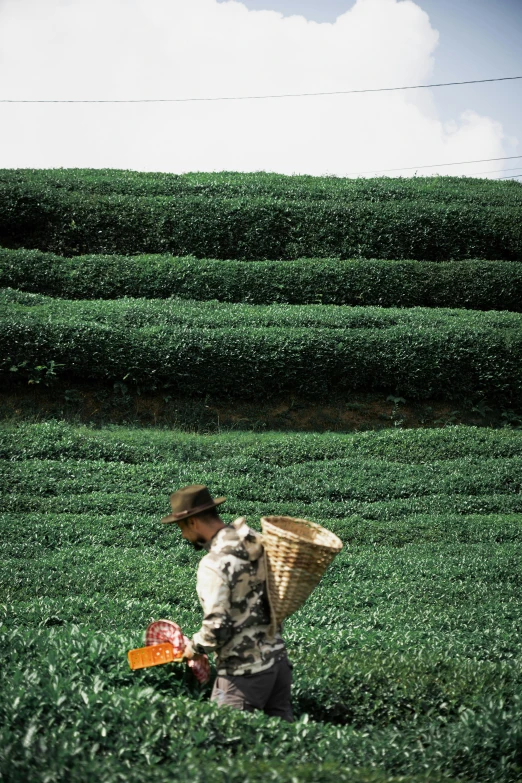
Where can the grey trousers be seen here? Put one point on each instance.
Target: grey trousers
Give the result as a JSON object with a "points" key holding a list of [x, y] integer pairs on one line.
{"points": [[268, 691]]}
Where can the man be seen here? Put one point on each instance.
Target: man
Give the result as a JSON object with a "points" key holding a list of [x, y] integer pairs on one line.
{"points": [[252, 666]]}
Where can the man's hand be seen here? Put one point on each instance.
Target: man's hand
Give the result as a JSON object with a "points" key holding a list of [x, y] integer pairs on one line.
{"points": [[200, 667]]}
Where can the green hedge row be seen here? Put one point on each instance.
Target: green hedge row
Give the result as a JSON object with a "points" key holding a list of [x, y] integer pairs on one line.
{"points": [[104, 182], [415, 354], [243, 480], [382, 511], [58, 440], [38, 216], [52, 531], [473, 284], [143, 313]]}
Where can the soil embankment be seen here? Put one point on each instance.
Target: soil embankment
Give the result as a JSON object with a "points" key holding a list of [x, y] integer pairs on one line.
{"points": [[357, 412]]}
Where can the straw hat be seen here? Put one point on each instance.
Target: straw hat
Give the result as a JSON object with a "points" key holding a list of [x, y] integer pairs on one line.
{"points": [[189, 501]]}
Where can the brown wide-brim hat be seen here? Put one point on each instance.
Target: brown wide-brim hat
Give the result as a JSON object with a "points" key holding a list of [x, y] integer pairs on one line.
{"points": [[189, 501]]}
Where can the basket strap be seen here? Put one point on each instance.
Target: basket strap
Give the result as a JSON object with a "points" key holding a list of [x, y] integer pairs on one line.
{"points": [[273, 620]]}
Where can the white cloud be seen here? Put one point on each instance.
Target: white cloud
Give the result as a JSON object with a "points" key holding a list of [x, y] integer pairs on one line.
{"points": [[105, 49]]}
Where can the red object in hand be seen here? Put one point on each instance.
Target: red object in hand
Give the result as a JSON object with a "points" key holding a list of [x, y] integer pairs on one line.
{"points": [[167, 631]]}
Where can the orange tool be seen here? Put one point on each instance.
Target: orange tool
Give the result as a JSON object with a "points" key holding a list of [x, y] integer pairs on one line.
{"points": [[152, 655]]}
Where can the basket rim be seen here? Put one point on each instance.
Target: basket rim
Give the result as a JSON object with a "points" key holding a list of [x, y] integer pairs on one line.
{"points": [[336, 543]]}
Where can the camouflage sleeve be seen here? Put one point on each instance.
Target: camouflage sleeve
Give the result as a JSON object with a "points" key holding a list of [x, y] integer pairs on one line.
{"points": [[214, 595]]}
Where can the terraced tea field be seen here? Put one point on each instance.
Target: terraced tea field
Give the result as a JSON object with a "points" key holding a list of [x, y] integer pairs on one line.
{"points": [[407, 657]]}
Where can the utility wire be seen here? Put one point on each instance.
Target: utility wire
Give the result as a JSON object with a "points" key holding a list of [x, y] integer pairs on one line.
{"points": [[264, 97], [494, 171], [431, 166], [513, 176]]}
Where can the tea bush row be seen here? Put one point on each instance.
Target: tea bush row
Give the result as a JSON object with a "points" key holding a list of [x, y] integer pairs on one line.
{"points": [[386, 510], [420, 358], [59, 440], [337, 481], [36, 215], [477, 285], [126, 529], [469, 620], [138, 313], [445, 189]]}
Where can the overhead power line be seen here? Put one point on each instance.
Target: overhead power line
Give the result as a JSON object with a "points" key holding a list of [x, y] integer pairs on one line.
{"points": [[513, 176], [494, 171], [264, 97], [431, 166]]}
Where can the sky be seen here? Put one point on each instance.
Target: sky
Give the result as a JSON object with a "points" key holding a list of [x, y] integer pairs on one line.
{"points": [[149, 49]]}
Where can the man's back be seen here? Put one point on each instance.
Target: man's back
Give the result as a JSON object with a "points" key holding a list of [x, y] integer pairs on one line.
{"points": [[231, 586]]}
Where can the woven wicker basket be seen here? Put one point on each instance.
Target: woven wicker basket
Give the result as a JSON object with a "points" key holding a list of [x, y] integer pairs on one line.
{"points": [[297, 553]]}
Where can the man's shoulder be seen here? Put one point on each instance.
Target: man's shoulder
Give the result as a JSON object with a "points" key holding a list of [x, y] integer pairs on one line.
{"points": [[232, 547], [237, 539]]}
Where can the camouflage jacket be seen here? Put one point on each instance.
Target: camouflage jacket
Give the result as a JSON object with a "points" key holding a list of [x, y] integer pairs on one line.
{"points": [[231, 587]]}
